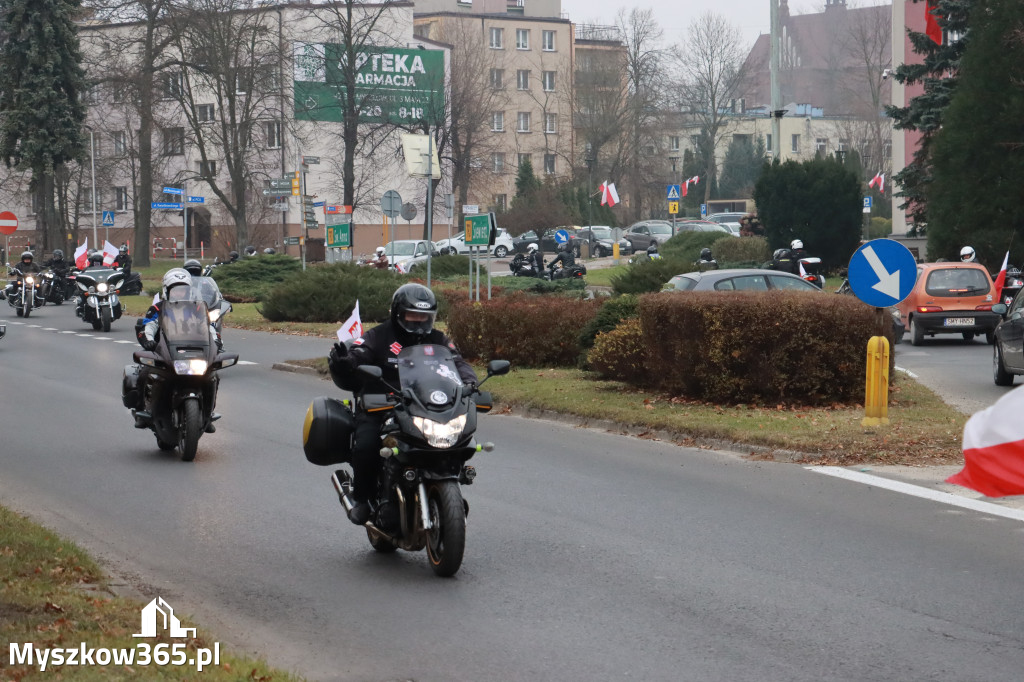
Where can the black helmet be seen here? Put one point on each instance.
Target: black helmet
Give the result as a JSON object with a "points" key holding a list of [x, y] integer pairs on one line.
{"points": [[58, 254], [414, 298], [250, 250], [269, 251], [653, 247], [705, 254], [233, 256], [193, 267], [96, 258], [564, 246], [26, 255]]}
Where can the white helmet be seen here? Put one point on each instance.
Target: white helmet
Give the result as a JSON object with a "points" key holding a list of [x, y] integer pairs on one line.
{"points": [[531, 247], [173, 278], [380, 251], [967, 254], [796, 244]]}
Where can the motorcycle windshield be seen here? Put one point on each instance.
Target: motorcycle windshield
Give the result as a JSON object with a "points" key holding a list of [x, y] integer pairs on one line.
{"points": [[208, 291], [98, 275], [184, 323], [428, 373]]}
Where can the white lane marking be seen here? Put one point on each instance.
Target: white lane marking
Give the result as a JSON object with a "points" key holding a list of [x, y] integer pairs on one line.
{"points": [[123, 341], [15, 322], [918, 491], [103, 338], [35, 325], [905, 371], [49, 329], [247, 362], [69, 332], [85, 335]]}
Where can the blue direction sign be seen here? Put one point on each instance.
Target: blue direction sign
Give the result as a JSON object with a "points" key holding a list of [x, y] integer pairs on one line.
{"points": [[197, 200], [172, 190], [561, 236], [165, 204], [882, 272], [108, 219], [673, 193]]}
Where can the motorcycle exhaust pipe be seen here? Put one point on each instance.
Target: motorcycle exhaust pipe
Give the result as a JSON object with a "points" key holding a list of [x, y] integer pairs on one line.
{"points": [[344, 490]]}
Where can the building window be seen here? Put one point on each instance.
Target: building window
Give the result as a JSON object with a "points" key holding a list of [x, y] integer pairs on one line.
{"points": [[673, 143], [523, 122], [174, 141], [523, 79], [497, 78], [498, 162], [207, 169], [549, 81], [500, 202], [550, 123], [795, 144], [821, 145], [522, 39], [768, 142], [547, 41], [497, 37], [172, 85], [695, 141], [525, 158], [120, 140], [273, 134], [549, 164], [120, 198], [204, 113], [498, 122]]}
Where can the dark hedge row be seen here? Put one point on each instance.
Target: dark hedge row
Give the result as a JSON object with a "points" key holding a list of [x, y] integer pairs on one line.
{"points": [[327, 293]]}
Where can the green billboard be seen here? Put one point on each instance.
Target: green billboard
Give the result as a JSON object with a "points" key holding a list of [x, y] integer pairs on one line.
{"points": [[392, 84]]}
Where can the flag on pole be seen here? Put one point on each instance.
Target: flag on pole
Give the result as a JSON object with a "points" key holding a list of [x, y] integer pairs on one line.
{"points": [[878, 180], [1001, 278], [352, 328], [109, 253], [82, 255], [608, 194], [931, 21], [803, 273], [690, 181], [994, 449]]}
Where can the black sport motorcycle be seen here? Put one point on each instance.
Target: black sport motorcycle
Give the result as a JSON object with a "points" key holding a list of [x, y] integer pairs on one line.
{"points": [[99, 302], [24, 293], [177, 382], [426, 441]]}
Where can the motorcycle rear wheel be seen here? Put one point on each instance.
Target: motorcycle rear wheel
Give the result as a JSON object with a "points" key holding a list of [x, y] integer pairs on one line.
{"points": [[380, 544], [446, 540], [190, 428], [105, 319]]}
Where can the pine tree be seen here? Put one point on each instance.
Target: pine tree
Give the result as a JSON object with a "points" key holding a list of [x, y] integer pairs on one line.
{"points": [[41, 113], [527, 183], [938, 75], [741, 168], [978, 170]]}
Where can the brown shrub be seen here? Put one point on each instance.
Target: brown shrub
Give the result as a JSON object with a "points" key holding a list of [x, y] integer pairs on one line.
{"points": [[620, 354]]}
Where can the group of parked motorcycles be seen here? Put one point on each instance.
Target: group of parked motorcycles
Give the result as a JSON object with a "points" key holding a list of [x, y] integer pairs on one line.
{"points": [[522, 266]]}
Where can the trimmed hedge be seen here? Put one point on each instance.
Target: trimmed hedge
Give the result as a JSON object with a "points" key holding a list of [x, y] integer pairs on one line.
{"points": [[528, 331], [621, 354], [254, 277], [327, 293], [741, 252], [613, 311], [650, 275]]}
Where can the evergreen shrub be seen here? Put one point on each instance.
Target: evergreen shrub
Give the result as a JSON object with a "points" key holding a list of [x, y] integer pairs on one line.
{"points": [[650, 275], [327, 293], [253, 277], [612, 312], [620, 354], [528, 331], [745, 252]]}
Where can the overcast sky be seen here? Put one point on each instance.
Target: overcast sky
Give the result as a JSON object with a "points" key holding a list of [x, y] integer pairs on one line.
{"points": [[749, 16]]}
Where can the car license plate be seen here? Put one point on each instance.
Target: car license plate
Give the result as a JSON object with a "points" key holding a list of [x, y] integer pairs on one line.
{"points": [[959, 321]]}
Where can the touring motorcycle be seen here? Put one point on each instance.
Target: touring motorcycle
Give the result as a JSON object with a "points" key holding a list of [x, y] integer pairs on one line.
{"points": [[427, 439], [23, 294], [98, 288], [177, 382]]}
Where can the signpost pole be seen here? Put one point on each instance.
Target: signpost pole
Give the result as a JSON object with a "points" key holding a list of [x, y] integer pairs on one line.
{"points": [[430, 201], [302, 207], [184, 196], [92, 162]]}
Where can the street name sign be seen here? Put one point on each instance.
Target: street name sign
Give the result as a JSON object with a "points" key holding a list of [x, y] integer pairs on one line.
{"points": [[197, 200], [173, 190], [165, 205], [882, 272]]}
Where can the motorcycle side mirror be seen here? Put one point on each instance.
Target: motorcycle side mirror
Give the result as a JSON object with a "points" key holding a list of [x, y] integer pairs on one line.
{"points": [[144, 357], [370, 371], [224, 360], [496, 368]]}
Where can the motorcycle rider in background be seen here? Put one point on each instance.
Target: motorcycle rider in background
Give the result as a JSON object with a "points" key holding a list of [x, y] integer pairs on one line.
{"points": [[380, 260], [565, 258], [57, 263], [706, 261], [534, 258], [967, 255], [123, 261], [193, 267], [411, 322], [27, 265]]}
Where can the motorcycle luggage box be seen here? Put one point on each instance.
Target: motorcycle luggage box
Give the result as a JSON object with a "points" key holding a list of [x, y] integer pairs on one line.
{"points": [[130, 386], [327, 432]]}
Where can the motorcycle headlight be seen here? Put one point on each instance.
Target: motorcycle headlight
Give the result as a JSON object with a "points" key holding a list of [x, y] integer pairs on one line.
{"points": [[101, 287], [440, 435], [215, 315], [193, 366], [29, 280]]}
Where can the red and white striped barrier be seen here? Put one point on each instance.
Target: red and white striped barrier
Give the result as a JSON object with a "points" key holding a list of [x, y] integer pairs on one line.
{"points": [[165, 244]]}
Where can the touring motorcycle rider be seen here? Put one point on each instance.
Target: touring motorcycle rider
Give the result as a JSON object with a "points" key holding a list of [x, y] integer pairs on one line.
{"points": [[411, 322]]}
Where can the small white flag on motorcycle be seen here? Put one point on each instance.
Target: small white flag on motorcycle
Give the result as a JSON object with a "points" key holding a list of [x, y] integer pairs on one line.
{"points": [[803, 273], [352, 328], [81, 253], [109, 253]]}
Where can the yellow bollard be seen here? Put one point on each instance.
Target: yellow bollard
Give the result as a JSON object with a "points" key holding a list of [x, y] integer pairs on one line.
{"points": [[876, 392]]}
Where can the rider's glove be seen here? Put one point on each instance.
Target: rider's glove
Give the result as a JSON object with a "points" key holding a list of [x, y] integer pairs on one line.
{"points": [[148, 343], [338, 353]]}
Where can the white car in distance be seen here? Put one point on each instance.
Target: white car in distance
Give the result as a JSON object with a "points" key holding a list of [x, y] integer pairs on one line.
{"points": [[457, 244]]}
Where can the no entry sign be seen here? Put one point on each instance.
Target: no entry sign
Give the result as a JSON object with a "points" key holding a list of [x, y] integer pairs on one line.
{"points": [[8, 223]]}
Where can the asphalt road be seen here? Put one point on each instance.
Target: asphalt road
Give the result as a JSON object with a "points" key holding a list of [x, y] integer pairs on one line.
{"points": [[960, 371], [589, 555]]}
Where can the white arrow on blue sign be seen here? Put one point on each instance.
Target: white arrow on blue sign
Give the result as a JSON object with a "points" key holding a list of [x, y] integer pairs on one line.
{"points": [[172, 190], [108, 219], [882, 272], [561, 236]]}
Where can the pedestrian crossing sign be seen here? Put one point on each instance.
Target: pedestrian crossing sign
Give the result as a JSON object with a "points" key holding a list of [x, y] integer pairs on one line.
{"points": [[108, 218], [673, 192]]}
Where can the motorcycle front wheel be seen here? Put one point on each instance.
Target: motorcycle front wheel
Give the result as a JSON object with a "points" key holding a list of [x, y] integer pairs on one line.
{"points": [[105, 319], [190, 427], [446, 540]]}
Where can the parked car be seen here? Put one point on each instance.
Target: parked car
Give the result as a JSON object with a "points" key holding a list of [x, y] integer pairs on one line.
{"points": [[640, 235], [548, 244], [601, 243], [407, 254], [1008, 348], [703, 226], [738, 279], [730, 221], [502, 244], [950, 298]]}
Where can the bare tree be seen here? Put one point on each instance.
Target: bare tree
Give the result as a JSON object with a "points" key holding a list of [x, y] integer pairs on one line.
{"points": [[710, 65]]}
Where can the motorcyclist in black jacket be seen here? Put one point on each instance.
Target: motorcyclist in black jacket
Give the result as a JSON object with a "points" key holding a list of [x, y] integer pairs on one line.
{"points": [[26, 265], [411, 322], [565, 257], [57, 263], [123, 261]]}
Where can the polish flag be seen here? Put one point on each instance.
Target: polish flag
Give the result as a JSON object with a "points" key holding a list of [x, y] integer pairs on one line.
{"points": [[994, 449], [608, 194], [1001, 277], [109, 253], [803, 273], [879, 180], [690, 181], [352, 328], [82, 255], [931, 21]]}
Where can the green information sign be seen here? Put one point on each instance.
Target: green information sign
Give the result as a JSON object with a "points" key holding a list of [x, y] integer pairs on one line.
{"points": [[339, 230], [393, 84], [478, 230]]}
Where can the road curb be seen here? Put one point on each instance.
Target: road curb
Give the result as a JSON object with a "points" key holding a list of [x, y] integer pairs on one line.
{"points": [[297, 369]]}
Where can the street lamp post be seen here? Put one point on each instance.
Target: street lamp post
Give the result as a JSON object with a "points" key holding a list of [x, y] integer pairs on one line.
{"points": [[675, 180], [92, 163], [590, 160]]}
